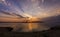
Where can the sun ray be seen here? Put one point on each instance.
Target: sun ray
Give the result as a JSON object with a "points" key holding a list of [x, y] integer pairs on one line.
{"points": [[27, 15]]}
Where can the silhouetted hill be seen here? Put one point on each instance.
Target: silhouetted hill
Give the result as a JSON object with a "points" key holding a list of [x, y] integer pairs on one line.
{"points": [[53, 32], [52, 21], [5, 29]]}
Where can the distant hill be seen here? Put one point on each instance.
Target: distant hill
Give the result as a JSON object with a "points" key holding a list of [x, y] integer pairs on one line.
{"points": [[52, 21]]}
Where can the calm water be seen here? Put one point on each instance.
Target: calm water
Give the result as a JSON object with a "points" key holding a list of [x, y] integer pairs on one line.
{"points": [[25, 27]]}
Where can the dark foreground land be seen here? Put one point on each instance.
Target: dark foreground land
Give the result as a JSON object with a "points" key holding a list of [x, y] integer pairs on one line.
{"points": [[52, 32]]}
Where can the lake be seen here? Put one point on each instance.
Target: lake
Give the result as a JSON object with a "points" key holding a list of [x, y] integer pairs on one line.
{"points": [[25, 27]]}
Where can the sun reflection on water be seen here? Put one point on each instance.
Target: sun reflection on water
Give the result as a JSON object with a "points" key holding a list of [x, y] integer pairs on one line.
{"points": [[32, 26]]}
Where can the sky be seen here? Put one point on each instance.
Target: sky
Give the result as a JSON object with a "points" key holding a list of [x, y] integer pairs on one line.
{"points": [[29, 8]]}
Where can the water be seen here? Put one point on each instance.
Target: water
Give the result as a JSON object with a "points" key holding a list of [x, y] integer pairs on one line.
{"points": [[25, 27]]}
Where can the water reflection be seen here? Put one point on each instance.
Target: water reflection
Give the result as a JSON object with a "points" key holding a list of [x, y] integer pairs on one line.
{"points": [[25, 27]]}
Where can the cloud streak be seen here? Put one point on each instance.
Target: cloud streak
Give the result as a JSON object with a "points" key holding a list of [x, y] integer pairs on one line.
{"points": [[36, 8]]}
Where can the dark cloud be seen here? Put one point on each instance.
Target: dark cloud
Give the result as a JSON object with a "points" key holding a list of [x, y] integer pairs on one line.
{"points": [[51, 2]]}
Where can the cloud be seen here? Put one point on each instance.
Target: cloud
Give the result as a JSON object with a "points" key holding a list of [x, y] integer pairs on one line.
{"points": [[32, 7]]}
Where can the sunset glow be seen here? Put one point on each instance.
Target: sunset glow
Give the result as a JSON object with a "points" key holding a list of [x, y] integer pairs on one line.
{"points": [[26, 13]]}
